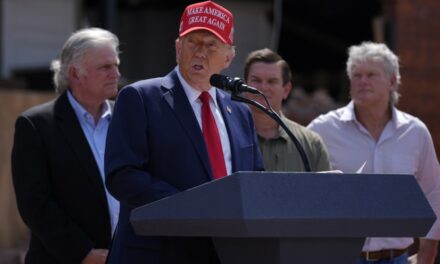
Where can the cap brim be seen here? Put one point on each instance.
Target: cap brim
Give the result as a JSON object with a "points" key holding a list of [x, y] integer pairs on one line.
{"points": [[203, 28]]}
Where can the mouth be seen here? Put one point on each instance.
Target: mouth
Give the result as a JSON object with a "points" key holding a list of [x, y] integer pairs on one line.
{"points": [[261, 100], [198, 67], [112, 84], [364, 91]]}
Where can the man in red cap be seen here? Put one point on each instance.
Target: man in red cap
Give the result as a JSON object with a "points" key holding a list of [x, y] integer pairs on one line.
{"points": [[173, 133]]}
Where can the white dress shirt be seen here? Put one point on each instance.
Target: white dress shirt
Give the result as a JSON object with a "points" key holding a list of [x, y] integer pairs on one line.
{"points": [[196, 104], [404, 147]]}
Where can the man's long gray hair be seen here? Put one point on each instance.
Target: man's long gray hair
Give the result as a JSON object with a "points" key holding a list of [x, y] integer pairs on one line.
{"points": [[74, 49]]}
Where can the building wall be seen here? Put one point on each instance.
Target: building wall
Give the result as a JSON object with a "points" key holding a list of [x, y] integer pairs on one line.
{"points": [[33, 32], [147, 37], [417, 40]]}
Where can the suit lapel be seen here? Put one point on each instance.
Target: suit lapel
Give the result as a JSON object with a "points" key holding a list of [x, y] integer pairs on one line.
{"points": [[72, 131], [176, 98]]}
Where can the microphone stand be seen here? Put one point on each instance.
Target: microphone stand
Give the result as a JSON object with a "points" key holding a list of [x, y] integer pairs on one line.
{"points": [[269, 111]]}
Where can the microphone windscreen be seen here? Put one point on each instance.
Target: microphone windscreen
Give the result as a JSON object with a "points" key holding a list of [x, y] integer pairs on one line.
{"points": [[219, 81]]}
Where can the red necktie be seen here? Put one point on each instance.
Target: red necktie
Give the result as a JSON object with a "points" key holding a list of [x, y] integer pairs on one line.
{"points": [[212, 138]]}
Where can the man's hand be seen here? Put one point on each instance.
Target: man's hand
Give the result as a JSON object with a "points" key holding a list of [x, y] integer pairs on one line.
{"points": [[427, 251], [96, 256]]}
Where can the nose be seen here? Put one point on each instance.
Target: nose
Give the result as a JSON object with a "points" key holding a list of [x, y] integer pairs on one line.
{"points": [[115, 72], [263, 87], [200, 51], [364, 80]]}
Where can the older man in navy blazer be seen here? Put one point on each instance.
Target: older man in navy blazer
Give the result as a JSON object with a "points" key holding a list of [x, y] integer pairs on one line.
{"points": [[157, 144]]}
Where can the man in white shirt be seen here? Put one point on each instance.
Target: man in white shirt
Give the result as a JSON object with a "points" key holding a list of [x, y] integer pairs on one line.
{"points": [[370, 135]]}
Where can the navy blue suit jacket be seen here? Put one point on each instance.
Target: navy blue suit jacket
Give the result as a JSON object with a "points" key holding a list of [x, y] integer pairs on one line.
{"points": [[155, 148]]}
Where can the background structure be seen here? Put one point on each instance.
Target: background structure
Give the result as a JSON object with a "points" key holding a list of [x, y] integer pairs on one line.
{"points": [[313, 36]]}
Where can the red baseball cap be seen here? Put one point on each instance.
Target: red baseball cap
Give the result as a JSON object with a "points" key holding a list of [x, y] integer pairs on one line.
{"points": [[209, 16]]}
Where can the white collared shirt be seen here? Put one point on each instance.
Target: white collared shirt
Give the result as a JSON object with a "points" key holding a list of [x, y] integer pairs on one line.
{"points": [[404, 147], [193, 98]]}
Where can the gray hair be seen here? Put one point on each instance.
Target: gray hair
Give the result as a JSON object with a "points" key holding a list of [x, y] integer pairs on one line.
{"points": [[73, 51], [370, 50]]}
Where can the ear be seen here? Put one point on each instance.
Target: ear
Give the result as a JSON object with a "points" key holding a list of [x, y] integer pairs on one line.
{"points": [[230, 54], [287, 88], [178, 46], [393, 82], [73, 75]]}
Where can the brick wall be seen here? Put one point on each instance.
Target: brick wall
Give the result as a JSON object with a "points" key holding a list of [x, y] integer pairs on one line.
{"points": [[417, 42]]}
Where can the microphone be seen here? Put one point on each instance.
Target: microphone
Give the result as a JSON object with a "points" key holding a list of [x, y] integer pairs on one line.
{"points": [[235, 85]]}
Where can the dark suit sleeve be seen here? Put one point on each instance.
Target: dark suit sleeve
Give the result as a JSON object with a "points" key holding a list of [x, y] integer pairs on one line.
{"points": [[35, 198], [258, 159], [127, 154], [246, 154]]}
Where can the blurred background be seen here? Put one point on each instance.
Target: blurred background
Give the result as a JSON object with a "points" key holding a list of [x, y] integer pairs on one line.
{"points": [[313, 36]]}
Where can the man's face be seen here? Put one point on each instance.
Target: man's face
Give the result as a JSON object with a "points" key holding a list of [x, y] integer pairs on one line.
{"points": [[201, 54], [370, 84], [267, 78], [98, 79]]}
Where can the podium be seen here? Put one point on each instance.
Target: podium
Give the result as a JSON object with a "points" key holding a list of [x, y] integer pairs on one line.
{"points": [[280, 217]]}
